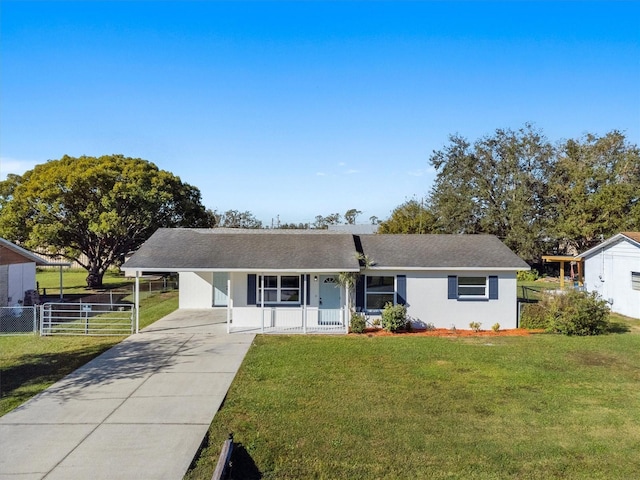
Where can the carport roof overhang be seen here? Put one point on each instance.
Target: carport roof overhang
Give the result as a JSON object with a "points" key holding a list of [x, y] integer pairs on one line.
{"points": [[240, 270]]}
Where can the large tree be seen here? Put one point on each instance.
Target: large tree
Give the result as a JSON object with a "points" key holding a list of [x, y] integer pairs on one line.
{"points": [[497, 185], [101, 207], [594, 191]]}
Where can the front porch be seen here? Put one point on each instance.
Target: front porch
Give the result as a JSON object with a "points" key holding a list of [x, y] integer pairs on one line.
{"points": [[302, 319]]}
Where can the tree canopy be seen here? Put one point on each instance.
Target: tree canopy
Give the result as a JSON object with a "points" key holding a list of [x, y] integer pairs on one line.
{"points": [[410, 217], [497, 185], [536, 196], [236, 219], [101, 207]]}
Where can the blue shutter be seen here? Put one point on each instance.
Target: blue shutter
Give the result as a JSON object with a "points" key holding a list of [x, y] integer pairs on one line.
{"points": [[401, 289], [493, 287], [452, 287], [360, 293], [251, 289], [308, 280]]}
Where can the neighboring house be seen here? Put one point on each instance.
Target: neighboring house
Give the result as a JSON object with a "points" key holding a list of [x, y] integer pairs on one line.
{"points": [[18, 273], [612, 269], [290, 279]]}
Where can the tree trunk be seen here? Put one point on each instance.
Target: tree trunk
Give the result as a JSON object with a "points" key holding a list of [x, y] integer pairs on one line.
{"points": [[94, 279]]}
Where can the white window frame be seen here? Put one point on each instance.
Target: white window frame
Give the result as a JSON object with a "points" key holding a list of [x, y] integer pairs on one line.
{"points": [[484, 295], [279, 289], [635, 280], [367, 293]]}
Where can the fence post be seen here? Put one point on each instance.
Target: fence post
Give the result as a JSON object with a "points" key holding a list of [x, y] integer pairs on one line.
{"points": [[35, 319]]}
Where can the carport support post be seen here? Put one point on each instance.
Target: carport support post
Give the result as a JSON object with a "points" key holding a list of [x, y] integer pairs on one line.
{"points": [[262, 299], [229, 304], [136, 300], [61, 294]]}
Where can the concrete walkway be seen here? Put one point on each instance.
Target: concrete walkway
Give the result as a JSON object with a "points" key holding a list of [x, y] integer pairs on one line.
{"points": [[140, 410]]}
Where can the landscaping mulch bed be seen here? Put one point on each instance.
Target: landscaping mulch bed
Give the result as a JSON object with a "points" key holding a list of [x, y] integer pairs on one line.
{"points": [[446, 332]]}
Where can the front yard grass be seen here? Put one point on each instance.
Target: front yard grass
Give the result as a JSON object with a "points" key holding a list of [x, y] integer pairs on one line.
{"points": [[31, 363], [359, 407]]}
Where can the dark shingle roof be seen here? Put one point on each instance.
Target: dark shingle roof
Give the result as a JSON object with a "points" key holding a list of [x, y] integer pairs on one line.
{"points": [[184, 249], [439, 251], [257, 250]]}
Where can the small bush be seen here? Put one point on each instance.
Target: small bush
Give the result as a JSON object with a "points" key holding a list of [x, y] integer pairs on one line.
{"points": [[533, 316], [527, 275], [429, 326], [579, 313], [394, 317], [408, 326], [496, 327], [358, 323], [475, 326], [571, 313]]}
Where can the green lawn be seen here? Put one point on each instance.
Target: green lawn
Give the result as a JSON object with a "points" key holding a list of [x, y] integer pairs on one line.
{"points": [[30, 363], [359, 407]]}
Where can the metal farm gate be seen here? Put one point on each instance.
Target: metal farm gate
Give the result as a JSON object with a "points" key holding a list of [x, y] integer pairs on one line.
{"points": [[87, 319]]}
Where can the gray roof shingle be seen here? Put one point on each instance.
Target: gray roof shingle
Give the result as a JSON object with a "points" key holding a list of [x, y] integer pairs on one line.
{"points": [[308, 250], [183, 249], [439, 251]]}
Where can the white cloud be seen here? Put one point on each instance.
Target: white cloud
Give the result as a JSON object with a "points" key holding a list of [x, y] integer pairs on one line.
{"points": [[351, 171], [342, 164], [12, 165], [321, 174]]}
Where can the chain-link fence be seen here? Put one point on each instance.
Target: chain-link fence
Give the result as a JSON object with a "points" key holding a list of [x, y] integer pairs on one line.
{"points": [[18, 320]]}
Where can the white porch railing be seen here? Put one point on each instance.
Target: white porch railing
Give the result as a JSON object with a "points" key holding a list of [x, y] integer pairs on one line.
{"points": [[288, 320]]}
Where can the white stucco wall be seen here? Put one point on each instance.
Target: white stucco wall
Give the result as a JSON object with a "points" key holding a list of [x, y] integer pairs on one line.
{"points": [[426, 296], [608, 272], [22, 277], [428, 303], [196, 290]]}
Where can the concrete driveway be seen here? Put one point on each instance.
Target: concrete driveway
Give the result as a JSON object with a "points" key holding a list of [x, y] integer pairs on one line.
{"points": [[140, 410]]}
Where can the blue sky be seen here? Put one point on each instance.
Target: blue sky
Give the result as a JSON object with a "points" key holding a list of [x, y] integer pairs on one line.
{"points": [[308, 108]]}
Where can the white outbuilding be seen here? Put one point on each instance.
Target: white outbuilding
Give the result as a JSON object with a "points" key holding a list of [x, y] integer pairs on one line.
{"points": [[612, 269]]}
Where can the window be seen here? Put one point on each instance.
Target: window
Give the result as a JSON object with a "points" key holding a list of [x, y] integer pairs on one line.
{"points": [[472, 287], [279, 289], [635, 280], [379, 290]]}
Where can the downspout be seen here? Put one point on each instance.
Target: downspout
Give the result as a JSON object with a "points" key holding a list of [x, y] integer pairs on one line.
{"points": [[346, 311], [304, 304]]}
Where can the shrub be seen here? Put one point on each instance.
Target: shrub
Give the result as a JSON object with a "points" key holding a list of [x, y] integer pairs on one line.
{"points": [[533, 316], [527, 275], [496, 327], [579, 313], [475, 326], [394, 317], [358, 323], [571, 313]]}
